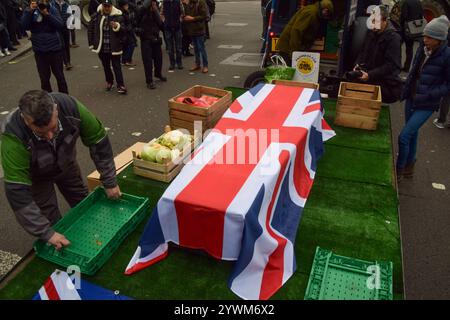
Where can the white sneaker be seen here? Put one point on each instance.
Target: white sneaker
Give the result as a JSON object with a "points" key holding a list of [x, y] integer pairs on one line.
{"points": [[438, 124], [7, 52], [1, 54]]}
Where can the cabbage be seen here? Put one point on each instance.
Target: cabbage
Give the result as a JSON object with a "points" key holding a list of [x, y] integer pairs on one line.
{"points": [[175, 153], [149, 151], [171, 138], [164, 155]]}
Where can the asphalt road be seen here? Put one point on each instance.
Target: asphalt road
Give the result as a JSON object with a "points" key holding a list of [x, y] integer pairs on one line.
{"points": [[424, 210]]}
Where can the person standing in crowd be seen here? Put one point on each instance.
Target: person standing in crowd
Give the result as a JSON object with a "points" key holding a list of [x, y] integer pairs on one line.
{"points": [[21, 33], [149, 25], [11, 8], [380, 58], [427, 83], [195, 16], [38, 151], [172, 13], [411, 10], [105, 39], [45, 23], [441, 121], [129, 39], [4, 38], [186, 40], [63, 6], [211, 9]]}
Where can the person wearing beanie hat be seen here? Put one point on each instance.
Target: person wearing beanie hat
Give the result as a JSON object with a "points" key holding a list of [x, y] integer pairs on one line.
{"points": [[437, 28], [129, 38], [303, 28], [427, 83]]}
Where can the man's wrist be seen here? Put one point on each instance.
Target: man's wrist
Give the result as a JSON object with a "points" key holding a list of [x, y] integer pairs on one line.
{"points": [[47, 235]]}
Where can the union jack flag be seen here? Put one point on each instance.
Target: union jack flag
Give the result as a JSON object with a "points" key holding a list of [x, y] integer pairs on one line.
{"points": [[244, 202]]}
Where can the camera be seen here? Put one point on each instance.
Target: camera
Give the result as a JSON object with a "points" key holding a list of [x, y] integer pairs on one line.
{"points": [[355, 74]]}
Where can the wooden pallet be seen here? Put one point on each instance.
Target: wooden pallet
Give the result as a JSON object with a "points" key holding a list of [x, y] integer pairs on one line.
{"points": [[358, 106]]}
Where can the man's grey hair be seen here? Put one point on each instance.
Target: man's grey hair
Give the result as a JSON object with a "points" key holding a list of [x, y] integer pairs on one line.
{"points": [[38, 105]]}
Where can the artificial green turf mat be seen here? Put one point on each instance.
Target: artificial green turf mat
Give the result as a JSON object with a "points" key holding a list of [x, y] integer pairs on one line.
{"points": [[377, 140], [352, 210], [356, 165]]}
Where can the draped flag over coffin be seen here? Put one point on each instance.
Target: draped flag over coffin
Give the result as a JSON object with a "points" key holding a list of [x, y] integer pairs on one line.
{"points": [[242, 194]]}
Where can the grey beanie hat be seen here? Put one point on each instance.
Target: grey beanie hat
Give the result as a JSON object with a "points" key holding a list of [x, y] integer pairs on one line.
{"points": [[437, 28]]}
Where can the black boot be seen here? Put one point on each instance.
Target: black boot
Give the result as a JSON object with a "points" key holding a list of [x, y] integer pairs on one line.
{"points": [[408, 172]]}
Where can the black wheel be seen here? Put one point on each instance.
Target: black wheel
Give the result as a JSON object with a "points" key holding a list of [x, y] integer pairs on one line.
{"points": [[255, 78], [85, 16], [432, 9]]}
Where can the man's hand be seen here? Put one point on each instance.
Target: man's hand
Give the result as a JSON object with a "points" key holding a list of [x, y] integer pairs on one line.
{"points": [[365, 76], [113, 24], [356, 68], [189, 18], [44, 12], [113, 193], [58, 241]]}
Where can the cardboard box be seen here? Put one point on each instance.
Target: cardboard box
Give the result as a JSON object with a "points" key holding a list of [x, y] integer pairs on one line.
{"points": [[358, 106], [122, 160]]}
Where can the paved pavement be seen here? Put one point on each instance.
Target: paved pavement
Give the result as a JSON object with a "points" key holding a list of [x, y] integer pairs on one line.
{"points": [[424, 210]]}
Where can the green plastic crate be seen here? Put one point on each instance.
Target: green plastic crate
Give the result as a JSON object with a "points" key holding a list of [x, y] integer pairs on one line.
{"points": [[95, 227], [336, 277]]}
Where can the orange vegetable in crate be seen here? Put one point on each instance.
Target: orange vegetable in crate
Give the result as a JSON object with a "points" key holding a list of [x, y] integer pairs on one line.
{"points": [[204, 101]]}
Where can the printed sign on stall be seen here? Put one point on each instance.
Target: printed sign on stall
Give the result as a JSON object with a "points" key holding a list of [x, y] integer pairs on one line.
{"points": [[306, 65]]}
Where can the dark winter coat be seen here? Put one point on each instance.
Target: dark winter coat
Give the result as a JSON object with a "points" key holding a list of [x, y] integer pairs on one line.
{"points": [[198, 10], [428, 86], [128, 28], [381, 55], [148, 24], [62, 9], [95, 31], [172, 10], [44, 29], [411, 10]]}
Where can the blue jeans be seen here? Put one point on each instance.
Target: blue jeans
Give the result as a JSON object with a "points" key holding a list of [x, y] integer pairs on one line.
{"points": [[174, 44], [127, 55], [200, 51], [407, 140]]}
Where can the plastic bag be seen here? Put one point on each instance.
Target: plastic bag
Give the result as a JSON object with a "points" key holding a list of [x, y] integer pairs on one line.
{"points": [[279, 70]]}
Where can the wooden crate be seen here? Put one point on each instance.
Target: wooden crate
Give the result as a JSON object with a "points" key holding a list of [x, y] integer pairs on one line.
{"points": [[358, 106], [162, 172], [183, 115], [310, 85]]}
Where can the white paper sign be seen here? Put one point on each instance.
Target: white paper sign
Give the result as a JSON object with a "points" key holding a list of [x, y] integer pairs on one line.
{"points": [[74, 20], [306, 66]]}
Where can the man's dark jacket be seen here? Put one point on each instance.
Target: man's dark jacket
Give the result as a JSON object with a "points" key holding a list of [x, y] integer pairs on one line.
{"points": [[95, 31], [44, 33], [148, 23], [381, 55]]}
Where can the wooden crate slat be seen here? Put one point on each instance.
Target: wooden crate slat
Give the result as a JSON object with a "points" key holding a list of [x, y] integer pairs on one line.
{"points": [[356, 121], [290, 83], [369, 104], [359, 94], [358, 110], [360, 87], [197, 91]]}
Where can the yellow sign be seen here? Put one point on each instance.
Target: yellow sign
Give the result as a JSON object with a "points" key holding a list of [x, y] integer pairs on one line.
{"points": [[274, 44], [305, 65]]}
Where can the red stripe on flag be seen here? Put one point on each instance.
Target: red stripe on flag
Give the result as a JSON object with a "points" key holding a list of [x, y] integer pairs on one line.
{"points": [[272, 279], [325, 125], [200, 217], [50, 289], [142, 265], [236, 106], [312, 108]]}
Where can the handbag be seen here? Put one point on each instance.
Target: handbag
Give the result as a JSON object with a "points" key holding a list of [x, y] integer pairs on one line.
{"points": [[414, 29]]}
